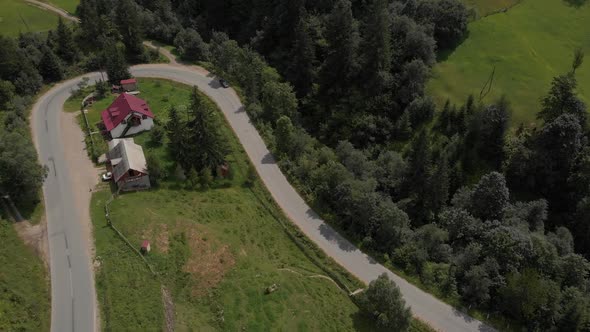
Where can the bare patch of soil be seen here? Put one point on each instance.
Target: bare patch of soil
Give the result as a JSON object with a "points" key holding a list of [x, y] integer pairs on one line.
{"points": [[35, 236], [168, 309], [208, 263]]}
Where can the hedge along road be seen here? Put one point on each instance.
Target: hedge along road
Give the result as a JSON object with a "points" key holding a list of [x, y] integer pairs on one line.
{"points": [[73, 293]]}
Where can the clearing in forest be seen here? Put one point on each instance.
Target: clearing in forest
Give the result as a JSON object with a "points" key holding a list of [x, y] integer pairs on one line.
{"points": [[528, 45]]}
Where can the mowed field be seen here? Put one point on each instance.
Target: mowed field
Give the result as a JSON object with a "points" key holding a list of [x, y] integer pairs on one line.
{"points": [[215, 250], [17, 16], [528, 45]]}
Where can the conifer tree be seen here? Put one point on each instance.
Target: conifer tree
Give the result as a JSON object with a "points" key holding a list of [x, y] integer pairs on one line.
{"points": [[66, 47]]}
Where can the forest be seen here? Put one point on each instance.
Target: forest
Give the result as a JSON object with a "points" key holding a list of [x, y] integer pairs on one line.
{"points": [[496, 217]]}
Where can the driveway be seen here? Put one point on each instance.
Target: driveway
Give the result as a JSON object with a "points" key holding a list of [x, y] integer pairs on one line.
{"points": [[64, 217]]}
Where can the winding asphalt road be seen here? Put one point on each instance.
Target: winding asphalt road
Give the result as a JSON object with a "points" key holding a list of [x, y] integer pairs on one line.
{"points": [[73, 294]]}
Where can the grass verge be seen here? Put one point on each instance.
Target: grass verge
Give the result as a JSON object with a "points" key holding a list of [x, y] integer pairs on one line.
{"points": [[24, 287]]}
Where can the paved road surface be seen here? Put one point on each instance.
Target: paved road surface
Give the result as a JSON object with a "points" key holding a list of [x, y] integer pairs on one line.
{"points": [[72, 285], [62, 216]]}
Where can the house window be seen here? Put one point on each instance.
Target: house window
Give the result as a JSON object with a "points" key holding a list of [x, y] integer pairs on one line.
{"points": [[135, 121], [144, 116]]}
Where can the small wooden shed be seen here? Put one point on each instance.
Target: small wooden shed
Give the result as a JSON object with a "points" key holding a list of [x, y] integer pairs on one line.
{"points": [[129, 85]]}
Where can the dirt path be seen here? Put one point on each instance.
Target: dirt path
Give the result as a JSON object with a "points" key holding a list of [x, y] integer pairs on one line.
{"points": [[51, 8], [320, 276], [168, 309], [35, 236], [171, 57]]}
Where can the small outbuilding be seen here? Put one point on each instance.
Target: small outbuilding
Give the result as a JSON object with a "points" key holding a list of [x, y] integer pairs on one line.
{"points": [[145, 247], [129, 85], [128, 165]]}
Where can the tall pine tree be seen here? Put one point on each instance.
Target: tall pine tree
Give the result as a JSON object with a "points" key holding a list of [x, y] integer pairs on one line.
{"points": [[66, 48], [341, 64], [377, 46], [116, 66], [50, 67], [129, 25], [208, 146], [302, 72]]}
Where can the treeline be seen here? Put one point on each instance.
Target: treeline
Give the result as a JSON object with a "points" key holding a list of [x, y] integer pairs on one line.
{"points": [[476, 213]]}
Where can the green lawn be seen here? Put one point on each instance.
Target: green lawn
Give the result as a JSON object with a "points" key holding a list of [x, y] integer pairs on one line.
{"points": [[24, 288], [529, 45], [16, 16]]}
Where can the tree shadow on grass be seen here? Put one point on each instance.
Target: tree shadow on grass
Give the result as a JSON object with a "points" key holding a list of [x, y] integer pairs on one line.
{"points": [[444, 54], [576, 3], [361, 323]]}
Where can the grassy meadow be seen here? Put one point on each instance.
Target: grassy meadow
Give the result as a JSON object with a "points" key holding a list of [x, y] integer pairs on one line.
{"points": [[528, 45], [24, 287], [215, 251], [17, 16]]}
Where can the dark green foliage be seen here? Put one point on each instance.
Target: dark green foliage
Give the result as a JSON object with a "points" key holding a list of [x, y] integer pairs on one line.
{"points": [[303, 69], [205, 178], [449, 18], [7, 93], [199, 130], [116, 65], [562, 99], [127, 21], [101, 89], [377, 47], [50, 67], [530, 297], [155, 170], [490, 197], [66, 48], [203, 132], [21, 176], [278, 99], [157, 134], [342, 63], [494, 123], [382, 302], [191, 46], [284, 135]]}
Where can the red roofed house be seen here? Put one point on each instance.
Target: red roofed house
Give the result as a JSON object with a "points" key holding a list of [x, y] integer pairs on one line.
{"points": [[129, 85], [127, 115]]}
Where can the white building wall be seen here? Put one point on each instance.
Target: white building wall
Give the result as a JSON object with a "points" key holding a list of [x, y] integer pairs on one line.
{"points": [[146, 124]]}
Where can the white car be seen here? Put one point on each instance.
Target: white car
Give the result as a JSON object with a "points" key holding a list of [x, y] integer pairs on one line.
{"points": [[107, 176]]}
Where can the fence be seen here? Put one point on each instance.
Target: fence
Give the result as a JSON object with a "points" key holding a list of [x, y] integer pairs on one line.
{"points": [[110, 223]]}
